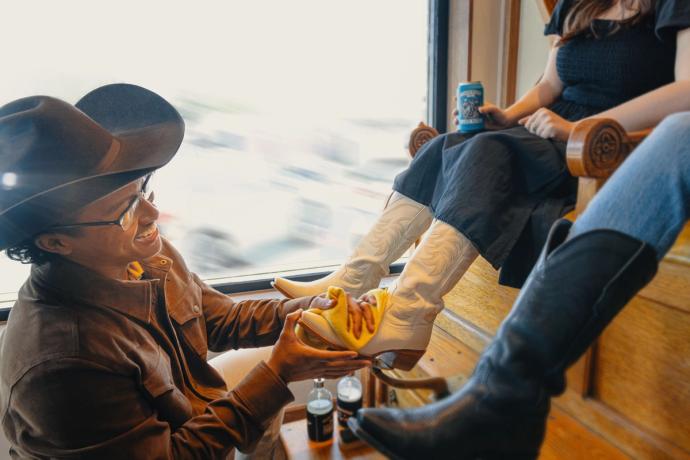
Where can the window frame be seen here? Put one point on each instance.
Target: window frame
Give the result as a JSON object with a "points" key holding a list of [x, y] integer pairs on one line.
{"points": [[437, 67], [437, 114]]}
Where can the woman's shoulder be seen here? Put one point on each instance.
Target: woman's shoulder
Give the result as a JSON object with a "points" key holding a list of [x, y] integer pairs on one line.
{"points": [[558, 16], [670, 16]]}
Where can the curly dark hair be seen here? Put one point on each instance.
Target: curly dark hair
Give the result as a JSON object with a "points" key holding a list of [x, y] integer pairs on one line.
{"points": [[27, 252]]}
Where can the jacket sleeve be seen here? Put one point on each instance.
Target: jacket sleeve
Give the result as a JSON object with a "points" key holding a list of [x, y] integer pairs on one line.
{"points": [[69, 408], [244, 324]]}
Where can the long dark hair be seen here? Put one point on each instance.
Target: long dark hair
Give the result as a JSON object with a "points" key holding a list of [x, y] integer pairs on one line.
{"points": [[582, 12]]}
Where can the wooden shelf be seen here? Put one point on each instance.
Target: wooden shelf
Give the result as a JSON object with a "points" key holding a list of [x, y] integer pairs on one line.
{"points": [[298, 446]]}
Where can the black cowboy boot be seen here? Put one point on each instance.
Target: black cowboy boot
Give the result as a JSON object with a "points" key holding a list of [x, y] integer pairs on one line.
{"points": [[573, 292]]}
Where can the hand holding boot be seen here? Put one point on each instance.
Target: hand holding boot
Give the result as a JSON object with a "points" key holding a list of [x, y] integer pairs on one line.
{"points": [[359, 310], [292, 360]]}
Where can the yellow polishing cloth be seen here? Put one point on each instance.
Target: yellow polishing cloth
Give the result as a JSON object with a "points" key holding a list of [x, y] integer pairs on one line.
{"points": [[337, 318]]}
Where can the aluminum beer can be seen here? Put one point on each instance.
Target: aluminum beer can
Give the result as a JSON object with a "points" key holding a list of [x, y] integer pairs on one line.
{"points": [[470, 98]]}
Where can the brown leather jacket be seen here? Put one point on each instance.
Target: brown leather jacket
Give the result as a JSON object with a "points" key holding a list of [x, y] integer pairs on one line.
{"points": [[97, 368]]}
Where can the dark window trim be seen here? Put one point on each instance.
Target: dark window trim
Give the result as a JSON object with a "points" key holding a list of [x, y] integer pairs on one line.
{"points": [[437, 114], [264, 284], [259, 284], [437, 67]]}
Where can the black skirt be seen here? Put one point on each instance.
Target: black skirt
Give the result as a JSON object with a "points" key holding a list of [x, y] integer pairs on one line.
{"points": [[498, 188]]}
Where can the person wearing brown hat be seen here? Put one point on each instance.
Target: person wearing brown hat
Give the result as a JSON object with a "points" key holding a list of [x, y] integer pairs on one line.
{"points": [[104, 355]]}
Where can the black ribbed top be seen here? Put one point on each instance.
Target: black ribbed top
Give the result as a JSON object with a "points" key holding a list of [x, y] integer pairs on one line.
{"points": [[600, 69]]}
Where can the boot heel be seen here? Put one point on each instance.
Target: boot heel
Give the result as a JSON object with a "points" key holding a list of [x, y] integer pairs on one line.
{"points": [[399, 359]]}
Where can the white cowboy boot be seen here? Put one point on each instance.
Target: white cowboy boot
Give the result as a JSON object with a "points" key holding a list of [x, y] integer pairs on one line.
{"points": [[400, 224], [414, 299]]}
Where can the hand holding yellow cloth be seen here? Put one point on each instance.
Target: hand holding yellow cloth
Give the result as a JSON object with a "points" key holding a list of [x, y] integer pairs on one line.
{"points": [[338, 318]]}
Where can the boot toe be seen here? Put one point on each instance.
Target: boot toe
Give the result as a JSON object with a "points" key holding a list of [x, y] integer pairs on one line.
{"points": [[381, 429], [380, 423], [286, 287], [319, 326]]}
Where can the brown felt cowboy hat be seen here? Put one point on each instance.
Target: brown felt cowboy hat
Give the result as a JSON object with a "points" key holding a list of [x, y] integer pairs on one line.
{"points": [[56, 158]]}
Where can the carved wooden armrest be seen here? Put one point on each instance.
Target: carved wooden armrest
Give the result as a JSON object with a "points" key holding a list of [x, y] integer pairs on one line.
{"points": [[419, 136], [596, 148]]}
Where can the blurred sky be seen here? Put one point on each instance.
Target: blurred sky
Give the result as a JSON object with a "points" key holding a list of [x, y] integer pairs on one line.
{"points": [[350, 57]]}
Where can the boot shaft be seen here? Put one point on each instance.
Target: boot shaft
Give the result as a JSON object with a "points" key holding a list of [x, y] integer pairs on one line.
{"points": [[436, 265], [400, 224], [575, 290]]}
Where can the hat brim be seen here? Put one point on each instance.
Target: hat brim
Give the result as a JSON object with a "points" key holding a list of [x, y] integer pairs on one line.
{"points": [[147, 133], [38, 216]]}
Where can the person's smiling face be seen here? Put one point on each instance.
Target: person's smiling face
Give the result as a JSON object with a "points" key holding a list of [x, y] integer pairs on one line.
{"points": [[108, 249]]}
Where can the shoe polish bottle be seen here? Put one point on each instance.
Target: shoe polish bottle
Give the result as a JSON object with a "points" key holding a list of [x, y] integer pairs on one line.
{"points": [[349, 400], [320, 413]]}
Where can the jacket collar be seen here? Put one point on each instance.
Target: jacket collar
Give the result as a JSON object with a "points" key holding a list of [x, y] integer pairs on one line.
{"points": [[73, 281]]}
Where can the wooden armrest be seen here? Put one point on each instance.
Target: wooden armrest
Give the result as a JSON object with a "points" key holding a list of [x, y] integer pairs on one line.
{"points": [[419, 136], [598, 146]]}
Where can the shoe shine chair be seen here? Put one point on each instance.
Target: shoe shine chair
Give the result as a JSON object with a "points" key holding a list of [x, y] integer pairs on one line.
{"points": [[629, 395]]}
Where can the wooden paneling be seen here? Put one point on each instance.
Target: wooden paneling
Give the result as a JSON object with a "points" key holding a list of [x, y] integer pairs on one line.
{"points": [[628, 398], [671, 286], [478, 298], [642, 369], [617, 429], [566, 437]]}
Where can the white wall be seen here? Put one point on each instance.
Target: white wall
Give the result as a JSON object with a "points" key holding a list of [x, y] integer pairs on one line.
{"points": [[486, 44], [534, 47]]}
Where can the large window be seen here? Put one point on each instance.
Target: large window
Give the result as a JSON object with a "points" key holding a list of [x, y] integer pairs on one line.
{"points": [[297, 113]]}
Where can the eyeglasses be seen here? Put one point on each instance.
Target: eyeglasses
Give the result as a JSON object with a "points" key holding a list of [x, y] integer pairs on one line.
{"points": [[127, 218]]}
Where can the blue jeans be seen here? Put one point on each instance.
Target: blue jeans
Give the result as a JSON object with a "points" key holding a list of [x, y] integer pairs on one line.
{"points": [[649, 195]]}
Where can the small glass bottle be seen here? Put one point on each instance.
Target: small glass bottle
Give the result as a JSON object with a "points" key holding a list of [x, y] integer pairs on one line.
{"points": [[349, 392], [320, 413]]}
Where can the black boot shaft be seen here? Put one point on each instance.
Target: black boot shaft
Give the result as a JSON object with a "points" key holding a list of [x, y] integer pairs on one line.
{"points": [[575, 290]]}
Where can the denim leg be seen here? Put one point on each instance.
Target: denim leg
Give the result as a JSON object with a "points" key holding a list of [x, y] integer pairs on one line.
{"points": [[649, 195]]}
